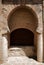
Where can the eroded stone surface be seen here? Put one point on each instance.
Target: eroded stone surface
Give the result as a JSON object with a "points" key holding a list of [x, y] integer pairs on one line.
{"points": [[20, 60], [23, 60]]}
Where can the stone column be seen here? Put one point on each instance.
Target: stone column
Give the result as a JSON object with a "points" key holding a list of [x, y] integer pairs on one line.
{"points": [[3, 50], [40, 47]]}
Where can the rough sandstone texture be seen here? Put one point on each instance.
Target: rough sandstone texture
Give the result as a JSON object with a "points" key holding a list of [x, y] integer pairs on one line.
{"points": [[5, 12], [19, 60]]}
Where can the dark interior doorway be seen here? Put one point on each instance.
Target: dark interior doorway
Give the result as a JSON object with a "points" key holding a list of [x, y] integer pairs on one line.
{"points": [[21, 37]]}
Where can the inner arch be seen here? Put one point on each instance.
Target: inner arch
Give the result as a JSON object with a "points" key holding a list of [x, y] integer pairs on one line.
{"points": [[22, 17]]}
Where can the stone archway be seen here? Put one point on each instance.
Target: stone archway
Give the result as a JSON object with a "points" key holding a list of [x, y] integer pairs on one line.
{"points": [[27, 19]]}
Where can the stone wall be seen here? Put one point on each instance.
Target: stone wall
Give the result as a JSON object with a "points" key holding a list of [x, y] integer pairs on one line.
{"points": [[6, 9]]}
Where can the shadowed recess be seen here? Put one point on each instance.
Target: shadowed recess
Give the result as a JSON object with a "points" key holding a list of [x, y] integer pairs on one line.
{"points": [[22, 37]]}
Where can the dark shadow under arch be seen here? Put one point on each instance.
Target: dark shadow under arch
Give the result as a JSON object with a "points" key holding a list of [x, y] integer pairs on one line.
{"points": [[21, 37]]}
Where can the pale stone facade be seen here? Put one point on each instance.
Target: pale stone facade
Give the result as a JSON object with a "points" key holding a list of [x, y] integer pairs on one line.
{"points": [[27, 16]]}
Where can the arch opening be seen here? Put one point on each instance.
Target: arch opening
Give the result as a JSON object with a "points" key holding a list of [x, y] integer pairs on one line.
{"points": [[22, 37], [23, 23]]}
